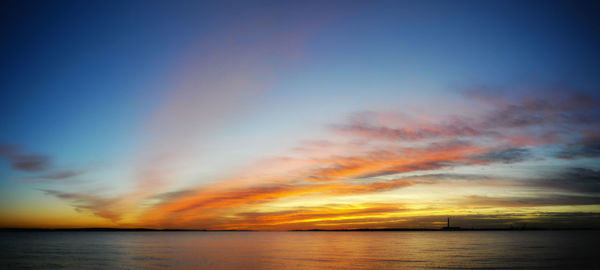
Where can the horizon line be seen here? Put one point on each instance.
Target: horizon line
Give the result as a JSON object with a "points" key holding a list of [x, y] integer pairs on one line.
{"points": [[304, 230]]}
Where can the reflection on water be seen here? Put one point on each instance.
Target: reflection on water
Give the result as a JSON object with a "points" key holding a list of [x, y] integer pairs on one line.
{"points": [[300, 250]]}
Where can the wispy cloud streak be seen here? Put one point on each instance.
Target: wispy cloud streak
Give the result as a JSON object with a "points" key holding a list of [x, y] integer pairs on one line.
{"points": [[35, 163], [24, 162], [99, 206]]}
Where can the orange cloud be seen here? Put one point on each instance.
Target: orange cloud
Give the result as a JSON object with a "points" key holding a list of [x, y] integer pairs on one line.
{"points": [[398, 160]]}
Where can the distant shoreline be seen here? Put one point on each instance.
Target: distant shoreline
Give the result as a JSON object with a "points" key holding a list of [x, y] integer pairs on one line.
{"points": [[309, 230]]}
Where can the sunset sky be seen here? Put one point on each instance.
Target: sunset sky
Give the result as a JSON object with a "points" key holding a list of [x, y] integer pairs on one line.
{"points": [[277, 115]]}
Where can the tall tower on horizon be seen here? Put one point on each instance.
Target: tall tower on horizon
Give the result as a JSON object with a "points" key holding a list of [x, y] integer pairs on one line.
{"points": [[448, 222]]}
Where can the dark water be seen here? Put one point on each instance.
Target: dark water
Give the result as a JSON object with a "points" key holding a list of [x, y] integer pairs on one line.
{"points": [[301, 250]]}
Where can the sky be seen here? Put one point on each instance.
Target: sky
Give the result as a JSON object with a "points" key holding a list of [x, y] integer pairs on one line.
{"points": [[281, 115]]}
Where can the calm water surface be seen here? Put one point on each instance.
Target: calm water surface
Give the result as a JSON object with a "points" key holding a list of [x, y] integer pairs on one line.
{"points": [[301, 250]]}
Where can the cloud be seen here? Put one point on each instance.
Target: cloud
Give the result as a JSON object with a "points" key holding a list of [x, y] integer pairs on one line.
{"points": [[59, 175], [204, 203], [504, 133], [368, 125], [511, 155], [311, 216], [294, 218], [394, 160], [453, 176], [185, 201], [24, 162], [587, 148], [35, 163], [523, 120], [379, 186], [582, 180], [85, 202], [219, 209], [555, 105], [169, 196], [549, 200]]}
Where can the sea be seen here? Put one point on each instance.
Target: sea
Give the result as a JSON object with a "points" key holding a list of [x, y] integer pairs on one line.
{"points": [[300, 250]]}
